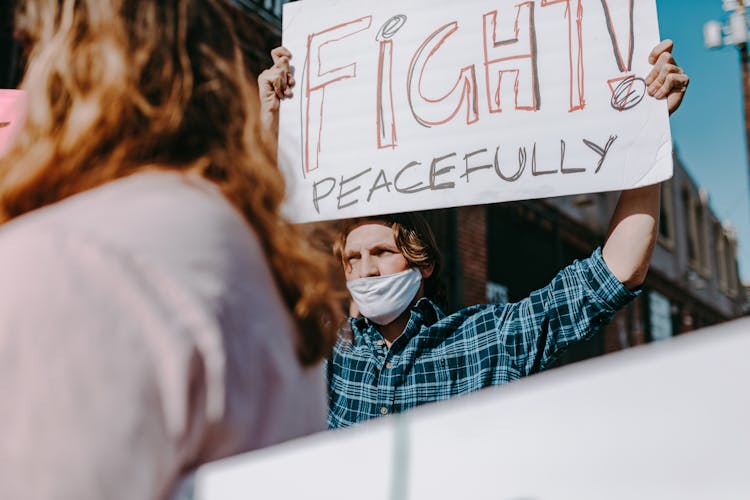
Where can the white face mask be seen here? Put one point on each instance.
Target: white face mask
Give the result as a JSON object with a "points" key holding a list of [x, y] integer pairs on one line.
{"points": [[381, 299]]}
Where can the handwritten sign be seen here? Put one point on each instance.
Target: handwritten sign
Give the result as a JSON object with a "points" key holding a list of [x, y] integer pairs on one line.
{"points": [[404, 106], [12, 114]]}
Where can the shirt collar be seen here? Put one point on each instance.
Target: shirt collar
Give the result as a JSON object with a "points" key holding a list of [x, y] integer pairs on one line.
{"points": [[428, 311], [424, 313]]}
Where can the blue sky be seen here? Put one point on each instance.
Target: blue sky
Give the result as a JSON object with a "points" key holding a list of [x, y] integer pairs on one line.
{"points": [[708, 129]]}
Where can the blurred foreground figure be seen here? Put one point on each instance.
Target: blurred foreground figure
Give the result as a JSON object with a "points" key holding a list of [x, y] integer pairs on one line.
{"points": [[155, 311]]}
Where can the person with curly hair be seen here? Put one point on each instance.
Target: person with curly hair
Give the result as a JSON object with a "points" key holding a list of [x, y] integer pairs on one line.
{"points": [[156, 311]]}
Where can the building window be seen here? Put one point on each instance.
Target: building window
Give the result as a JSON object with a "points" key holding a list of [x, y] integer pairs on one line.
{"points": [[270, 7], [497, 293], [730, 259], [666, 217], [660, 316], [693, 251], [726, 261], [721, 255], [701, 233]]}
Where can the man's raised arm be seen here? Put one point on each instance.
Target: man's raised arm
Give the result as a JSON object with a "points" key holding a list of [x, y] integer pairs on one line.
{"points": [[634, 225], [274, 84]]}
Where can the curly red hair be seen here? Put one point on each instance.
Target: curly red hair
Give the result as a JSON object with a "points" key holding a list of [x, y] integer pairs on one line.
{"points": [[119, 86]]}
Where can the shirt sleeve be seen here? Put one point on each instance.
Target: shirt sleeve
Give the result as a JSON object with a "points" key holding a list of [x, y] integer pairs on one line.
{"points": [[581, 299], [107, 393]]}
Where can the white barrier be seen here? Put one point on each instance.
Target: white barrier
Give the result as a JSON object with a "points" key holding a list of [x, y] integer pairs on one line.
{"points": [[670, 420]]}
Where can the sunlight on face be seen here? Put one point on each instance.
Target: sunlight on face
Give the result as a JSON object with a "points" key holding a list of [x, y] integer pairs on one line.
{"points": [[371, 251]]}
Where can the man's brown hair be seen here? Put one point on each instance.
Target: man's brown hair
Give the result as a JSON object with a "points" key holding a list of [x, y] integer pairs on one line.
{"points": [[414, 239]]}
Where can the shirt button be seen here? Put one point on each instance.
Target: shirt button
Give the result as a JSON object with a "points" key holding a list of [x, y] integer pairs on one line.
{"points": [[389, 365], [383, 410]]}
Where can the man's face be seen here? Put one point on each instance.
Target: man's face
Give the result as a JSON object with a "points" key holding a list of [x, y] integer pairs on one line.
{"points": [[371, 250]]}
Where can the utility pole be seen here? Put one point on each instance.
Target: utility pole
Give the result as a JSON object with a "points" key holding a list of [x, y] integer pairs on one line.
{"points": [[734, 32], [742, 11]]}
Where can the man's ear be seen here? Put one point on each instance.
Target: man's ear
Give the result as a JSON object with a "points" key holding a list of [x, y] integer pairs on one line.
{"points": [[427, 271]]}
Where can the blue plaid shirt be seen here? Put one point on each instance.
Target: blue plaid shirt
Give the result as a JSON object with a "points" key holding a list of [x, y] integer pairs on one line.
{"points": [[439, 356]]}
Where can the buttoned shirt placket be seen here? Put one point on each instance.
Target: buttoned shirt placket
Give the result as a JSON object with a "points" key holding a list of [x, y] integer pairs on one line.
{"points": [[386, 390]]}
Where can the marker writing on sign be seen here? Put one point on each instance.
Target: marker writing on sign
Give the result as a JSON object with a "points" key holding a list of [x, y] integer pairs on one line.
{"points": [[504, 165], [509, 51]]}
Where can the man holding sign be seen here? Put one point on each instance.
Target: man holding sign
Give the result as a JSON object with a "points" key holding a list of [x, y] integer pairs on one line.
{"points": [[404, 351]]}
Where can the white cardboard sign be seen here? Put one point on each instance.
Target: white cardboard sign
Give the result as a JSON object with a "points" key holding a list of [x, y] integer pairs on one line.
{"points": [[424, 104]]}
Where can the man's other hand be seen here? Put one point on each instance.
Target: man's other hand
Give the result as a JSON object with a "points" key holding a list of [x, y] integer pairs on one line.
{"points": [[666, 79]]}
